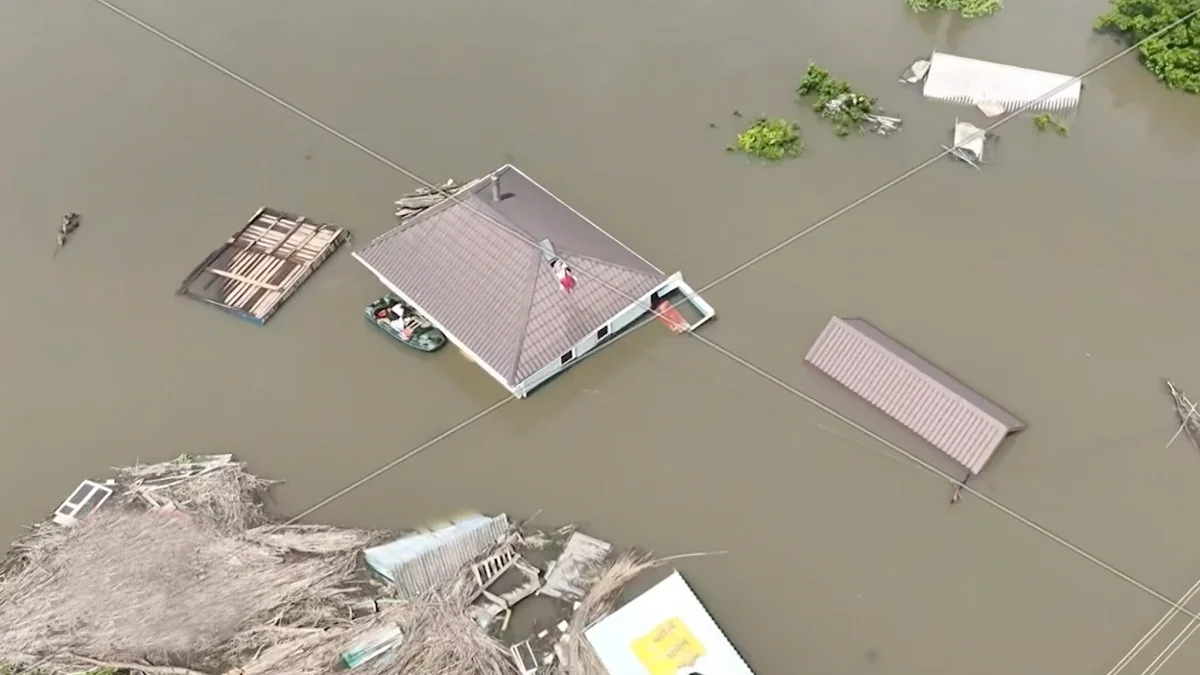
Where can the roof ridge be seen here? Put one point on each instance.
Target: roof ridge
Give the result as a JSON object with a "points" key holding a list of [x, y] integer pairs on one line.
{"points": [[527, 315], [610, 263], [495, 217]]}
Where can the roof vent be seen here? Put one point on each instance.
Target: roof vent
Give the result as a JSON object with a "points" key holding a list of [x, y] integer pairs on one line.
{"points": [[495, 188]]}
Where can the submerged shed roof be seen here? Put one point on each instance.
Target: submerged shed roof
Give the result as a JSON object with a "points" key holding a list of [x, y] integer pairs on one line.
{"points": [[476, 267], [951, 416], [416, 562], [958, 79]]}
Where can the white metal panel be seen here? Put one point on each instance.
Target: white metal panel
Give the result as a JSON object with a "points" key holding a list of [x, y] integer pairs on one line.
{"points": [[968, 81], [586, 344], [82, 503]]}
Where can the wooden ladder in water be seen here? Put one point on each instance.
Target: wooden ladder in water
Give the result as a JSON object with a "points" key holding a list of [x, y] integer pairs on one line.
{"points": [[491, 568]]}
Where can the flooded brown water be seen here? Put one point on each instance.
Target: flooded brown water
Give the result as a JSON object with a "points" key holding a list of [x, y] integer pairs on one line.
{"points": [[1059, 281]]}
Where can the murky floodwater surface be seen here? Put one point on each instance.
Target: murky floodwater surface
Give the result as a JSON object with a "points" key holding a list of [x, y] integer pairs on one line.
{"points": [[1059, 281]]}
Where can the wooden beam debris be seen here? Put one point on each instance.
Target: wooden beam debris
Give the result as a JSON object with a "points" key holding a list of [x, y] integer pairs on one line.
{"points": [[883, 124], [1189, 419], [417, 201], [70, 223], [571, 574]]}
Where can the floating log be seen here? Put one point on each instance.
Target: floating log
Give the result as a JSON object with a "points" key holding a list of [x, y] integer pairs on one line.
{"points": [[448, 186], [421, 202], [70, 223], [882, 124], [1185, 409]]}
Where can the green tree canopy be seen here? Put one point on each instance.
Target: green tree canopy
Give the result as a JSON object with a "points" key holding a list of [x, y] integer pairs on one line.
{"points": [[1174, 56], [969, 9]]}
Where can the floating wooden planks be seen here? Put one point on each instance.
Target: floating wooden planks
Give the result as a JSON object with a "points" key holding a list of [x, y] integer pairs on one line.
{"points": [[263, 264], [572, 573]]}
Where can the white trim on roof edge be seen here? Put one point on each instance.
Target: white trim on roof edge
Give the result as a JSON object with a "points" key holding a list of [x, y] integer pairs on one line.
{"points": [[449, 336]]}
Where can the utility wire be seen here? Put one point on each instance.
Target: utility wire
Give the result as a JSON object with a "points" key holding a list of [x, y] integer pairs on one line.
{"points": [[1154, 631], [721, 279]]}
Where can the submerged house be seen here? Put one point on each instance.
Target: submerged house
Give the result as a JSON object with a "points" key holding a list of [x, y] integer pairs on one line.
{"points": [[949, 415], [521, 282]]}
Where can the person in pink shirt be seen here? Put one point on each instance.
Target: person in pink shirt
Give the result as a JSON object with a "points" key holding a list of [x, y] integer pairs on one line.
{"points": [[564, 274]]}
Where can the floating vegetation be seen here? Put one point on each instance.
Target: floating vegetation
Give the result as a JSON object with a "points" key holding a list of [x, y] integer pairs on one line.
{"points": [[968, 9], [836, 100], [1046, 122], [770, 139], [1173, 57]]}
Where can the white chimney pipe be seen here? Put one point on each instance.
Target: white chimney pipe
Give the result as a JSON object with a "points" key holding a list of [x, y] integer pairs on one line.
{"points": [[495, 188]]}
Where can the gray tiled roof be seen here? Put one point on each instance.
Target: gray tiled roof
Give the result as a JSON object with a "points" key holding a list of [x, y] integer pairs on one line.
{"points": [[929, 401], [479, 272]]}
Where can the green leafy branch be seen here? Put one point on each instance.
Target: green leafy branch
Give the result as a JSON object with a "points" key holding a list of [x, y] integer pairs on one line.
{"points": [[836, 100], [1046, 122], [770, 139], [968, 9]]}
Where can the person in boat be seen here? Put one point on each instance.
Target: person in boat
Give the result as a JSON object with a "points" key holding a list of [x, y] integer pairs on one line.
{"points": [[400, 314]]}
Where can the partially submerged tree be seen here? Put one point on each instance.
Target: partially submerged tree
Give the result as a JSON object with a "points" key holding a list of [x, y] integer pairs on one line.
{"points": [[1173, 56], [969, 9], [836, 101], [770, 139]]}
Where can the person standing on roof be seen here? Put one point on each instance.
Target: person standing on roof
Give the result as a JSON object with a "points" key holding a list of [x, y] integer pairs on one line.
{"points": [[564, 275]]}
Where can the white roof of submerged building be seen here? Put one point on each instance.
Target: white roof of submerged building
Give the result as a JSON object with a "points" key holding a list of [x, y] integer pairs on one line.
{"points": [[661, 631], [958, 79]]}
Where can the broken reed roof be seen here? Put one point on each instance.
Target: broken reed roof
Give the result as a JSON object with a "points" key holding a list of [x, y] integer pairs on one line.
{"points": [[945, 412], [958, 79], [180, 566], [474, 266]]}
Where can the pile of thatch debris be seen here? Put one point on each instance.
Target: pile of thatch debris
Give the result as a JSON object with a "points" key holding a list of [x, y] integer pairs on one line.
{"points": [[180, 572]]}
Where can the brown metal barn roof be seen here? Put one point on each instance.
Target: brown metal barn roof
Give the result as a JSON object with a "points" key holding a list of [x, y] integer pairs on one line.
{"points": [[474, 265], [952, 417]]}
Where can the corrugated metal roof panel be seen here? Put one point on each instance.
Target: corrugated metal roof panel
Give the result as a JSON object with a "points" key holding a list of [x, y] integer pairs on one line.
{"points": [[945, 412], [958, 79]]}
